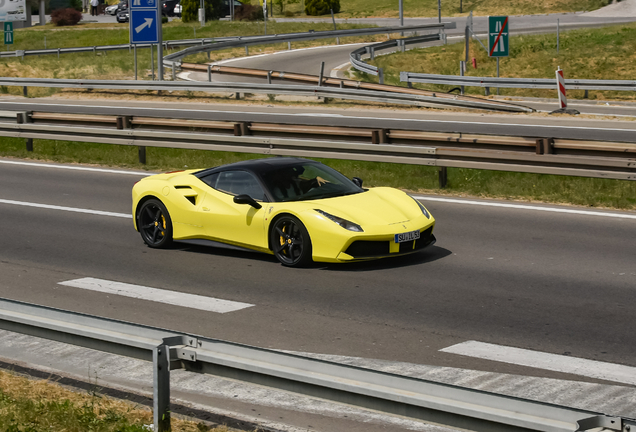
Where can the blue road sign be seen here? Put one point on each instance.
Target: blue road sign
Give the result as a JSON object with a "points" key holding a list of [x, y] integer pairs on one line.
{"points": [[144, 25], [143, 4]]}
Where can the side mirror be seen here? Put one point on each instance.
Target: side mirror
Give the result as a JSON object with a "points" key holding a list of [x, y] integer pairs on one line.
{"points": [[246, 199], [357, 181]]}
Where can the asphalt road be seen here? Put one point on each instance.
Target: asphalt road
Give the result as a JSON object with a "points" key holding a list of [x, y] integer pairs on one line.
{"points": [[551, 282], [538, 125]]}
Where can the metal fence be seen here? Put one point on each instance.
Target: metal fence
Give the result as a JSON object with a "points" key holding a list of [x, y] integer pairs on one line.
{"points": [[614, 160], [394, 394], [349, 93]]}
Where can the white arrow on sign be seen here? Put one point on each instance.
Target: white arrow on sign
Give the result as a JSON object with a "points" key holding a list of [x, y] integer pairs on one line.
{"points": [[148, 23]]}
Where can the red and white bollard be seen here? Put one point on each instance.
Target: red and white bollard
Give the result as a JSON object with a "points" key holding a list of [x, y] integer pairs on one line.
{"points": [[563, 100]]}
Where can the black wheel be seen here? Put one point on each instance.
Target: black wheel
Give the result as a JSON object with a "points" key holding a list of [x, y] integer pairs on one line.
{"points": [[154, 223], [290, 242]]}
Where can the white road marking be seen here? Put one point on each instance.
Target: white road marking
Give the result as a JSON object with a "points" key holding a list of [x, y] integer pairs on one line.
{"points": [[69, 209], [175, 298], [528, 207], [554, 362], [73, 167], [454, 122]]}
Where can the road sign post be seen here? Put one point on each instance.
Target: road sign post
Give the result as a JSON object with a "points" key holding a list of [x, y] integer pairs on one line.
{"points": [[8, 33], [498, 39], [145, 27]]}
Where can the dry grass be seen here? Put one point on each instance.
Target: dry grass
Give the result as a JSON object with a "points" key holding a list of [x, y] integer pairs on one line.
{"points": [[428, 8], [37, 405]]}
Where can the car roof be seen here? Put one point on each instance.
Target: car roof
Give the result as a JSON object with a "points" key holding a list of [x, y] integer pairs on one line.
{"points": [[259, 166]]}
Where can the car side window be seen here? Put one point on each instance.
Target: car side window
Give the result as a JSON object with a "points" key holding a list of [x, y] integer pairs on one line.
{"points": [[210, 179], [239, 183]]}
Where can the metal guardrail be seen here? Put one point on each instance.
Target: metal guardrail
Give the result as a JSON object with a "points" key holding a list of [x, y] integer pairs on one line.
{"points": [[174, 59], [352, 93], [356, 56], [436, 99], [394, 394], [597, 159], [529, 83], [213, 44]]}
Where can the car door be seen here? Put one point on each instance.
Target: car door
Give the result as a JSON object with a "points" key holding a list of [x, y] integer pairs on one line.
{"points": [[223, 219]]}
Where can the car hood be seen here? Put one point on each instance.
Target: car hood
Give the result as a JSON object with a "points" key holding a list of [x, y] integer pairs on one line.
{"points": [[376, 206]]}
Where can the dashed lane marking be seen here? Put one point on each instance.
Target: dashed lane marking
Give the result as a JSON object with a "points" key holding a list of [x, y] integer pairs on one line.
{"points": [[68, 209], [553, 362], [192, 301]]}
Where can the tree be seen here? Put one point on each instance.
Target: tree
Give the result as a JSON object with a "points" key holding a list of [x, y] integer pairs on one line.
{"points": [[321, 7], [190, 10]]}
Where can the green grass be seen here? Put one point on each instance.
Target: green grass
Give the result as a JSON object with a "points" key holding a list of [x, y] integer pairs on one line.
{"points": [[603, 53], [516, 186], [428, 8]]}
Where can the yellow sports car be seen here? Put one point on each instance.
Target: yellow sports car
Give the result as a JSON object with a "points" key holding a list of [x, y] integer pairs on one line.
{"points": [[296, 209]]}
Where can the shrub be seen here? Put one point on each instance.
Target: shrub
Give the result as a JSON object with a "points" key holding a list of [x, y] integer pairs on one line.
{"points": [[190, 10], [321, 7], [66, 17], [248, 12]]}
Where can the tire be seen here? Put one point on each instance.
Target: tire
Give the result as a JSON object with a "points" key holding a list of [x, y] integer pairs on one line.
{"points": [[290, 242], [154, 224]]}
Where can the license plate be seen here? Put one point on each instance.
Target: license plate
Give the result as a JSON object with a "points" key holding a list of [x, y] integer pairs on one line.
{"points": [[409, 236]]}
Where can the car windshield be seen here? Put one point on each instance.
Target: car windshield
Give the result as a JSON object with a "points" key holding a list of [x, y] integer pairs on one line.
{"points": [[307, 181]]}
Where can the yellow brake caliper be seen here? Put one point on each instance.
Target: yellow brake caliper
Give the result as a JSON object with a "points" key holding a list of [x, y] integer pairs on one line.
{"points": [[282, 240], [163, 219]]}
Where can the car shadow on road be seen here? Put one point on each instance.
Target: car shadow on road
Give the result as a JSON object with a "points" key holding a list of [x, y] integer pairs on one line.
{"points": [[428, 255]]}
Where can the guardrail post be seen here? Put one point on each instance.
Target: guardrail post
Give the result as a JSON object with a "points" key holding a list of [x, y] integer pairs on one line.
{"points": [[372, 53], [269, 77], [25, 91], [174, 73], [209, 73], [21, 118], [462, 69], [247, 52], [289, 45], [244, 128], [161, 388], [322, 71], [585, 95], [381, 75], [548, 146], [545, 146], [379, 136], [487, 91], [409, 84], [443, 177], [402, 42], [142, 154]]}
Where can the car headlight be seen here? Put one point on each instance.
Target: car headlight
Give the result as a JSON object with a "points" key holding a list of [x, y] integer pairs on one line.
{"points": [[426, 213], [348, 225]]}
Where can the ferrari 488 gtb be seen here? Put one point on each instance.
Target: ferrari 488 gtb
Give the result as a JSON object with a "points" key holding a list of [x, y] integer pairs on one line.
{"points": [[297, 209]]}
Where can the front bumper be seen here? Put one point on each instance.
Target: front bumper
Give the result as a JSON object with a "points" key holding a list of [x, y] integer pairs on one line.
{"points": [[375, 249]]}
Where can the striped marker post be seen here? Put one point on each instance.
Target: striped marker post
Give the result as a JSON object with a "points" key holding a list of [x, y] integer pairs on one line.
{"points": [[563, 100]]}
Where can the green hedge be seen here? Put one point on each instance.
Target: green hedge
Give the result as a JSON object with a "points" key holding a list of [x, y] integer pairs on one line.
{"points": [[321, 7], [190, 10]]}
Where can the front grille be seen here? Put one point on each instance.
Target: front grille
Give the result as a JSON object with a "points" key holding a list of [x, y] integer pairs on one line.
{"points": [[366, 248], [374, 248]]}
